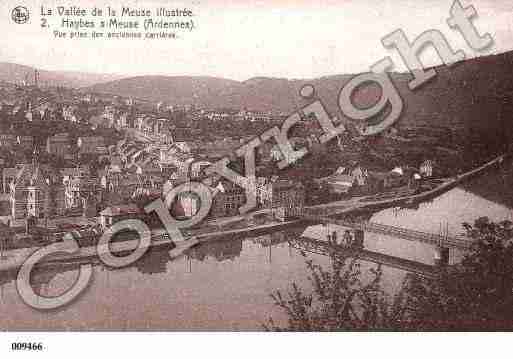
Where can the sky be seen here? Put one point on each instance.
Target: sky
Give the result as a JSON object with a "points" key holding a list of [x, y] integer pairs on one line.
{"points": [[244, 39]]}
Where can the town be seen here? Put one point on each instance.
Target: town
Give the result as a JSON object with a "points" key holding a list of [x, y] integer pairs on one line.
{"points": [[281, 168], [75, 160]]}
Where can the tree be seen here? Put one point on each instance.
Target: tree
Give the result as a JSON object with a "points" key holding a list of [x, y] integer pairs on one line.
{"points": [[340, 301], [476, 294]]}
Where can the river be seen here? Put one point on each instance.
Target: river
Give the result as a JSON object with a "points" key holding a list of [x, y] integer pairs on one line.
{"points": [[226, 285]]}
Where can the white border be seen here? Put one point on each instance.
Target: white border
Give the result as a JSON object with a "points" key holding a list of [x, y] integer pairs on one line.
{"points": [[258, 345]]}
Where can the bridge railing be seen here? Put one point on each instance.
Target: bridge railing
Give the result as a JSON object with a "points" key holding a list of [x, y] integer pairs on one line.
{"points": [[437, 239]]}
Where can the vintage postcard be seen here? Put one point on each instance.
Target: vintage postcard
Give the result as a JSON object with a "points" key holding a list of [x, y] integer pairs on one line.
{"points": [[256, 166]]}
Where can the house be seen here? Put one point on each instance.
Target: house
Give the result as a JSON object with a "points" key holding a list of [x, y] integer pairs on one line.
{"points": [[68, 113], [58, 144], [376, 181], [426, 168], [264, 191], [346, 180], [148, 169], [398, 170], [75, 172], [8, 175], [198, 169], [145, 123], [168, 153], [341, 183], [275, 153], [159, 125], [287, 199], [183, 168], [98, 122], [130, 120], [414, 181], [122, 119], [341, 170], [25, 142], [91, 145], [398, 177], [78, 190], [149, 181], [395, 178], [264, 152], [411, 177], [125, 184], [129, 151], [114, 214], [78, 186], [297, 144], [381, 181], [102, 152], [116, 164], [7, 140], [36, 191], [185, 205], [167, 169], [227, 199], [360, 175]]}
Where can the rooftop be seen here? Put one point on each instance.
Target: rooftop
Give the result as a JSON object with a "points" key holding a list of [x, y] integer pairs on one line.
{"points": [[121, 210]]}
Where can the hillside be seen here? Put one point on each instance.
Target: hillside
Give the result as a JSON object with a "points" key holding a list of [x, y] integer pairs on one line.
{"points": [[204, 91], [15, 73], [470, 89]]}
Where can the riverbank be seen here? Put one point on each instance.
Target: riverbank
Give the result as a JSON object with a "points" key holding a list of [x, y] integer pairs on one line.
{"points": [[13, 259], [364, 205]]}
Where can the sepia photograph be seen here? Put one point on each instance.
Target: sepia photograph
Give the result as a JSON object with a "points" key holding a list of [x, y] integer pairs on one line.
{"points": [[255, 166]]}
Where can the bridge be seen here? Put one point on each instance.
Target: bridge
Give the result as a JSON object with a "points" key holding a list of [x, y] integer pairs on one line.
{"points": [[327, 249], [458, 242]]}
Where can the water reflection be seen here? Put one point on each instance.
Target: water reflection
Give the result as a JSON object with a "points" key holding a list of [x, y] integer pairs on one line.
{"points": [[221, 251], [225, 285], [154, 261]]}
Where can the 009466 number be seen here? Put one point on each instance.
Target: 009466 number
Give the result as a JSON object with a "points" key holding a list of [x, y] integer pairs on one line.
{"points": [[27, 346]]}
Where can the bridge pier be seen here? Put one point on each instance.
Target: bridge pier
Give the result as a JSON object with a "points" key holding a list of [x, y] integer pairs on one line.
{"points": [[332, 237], [358, 238], [350, 238], [441, 256]]}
